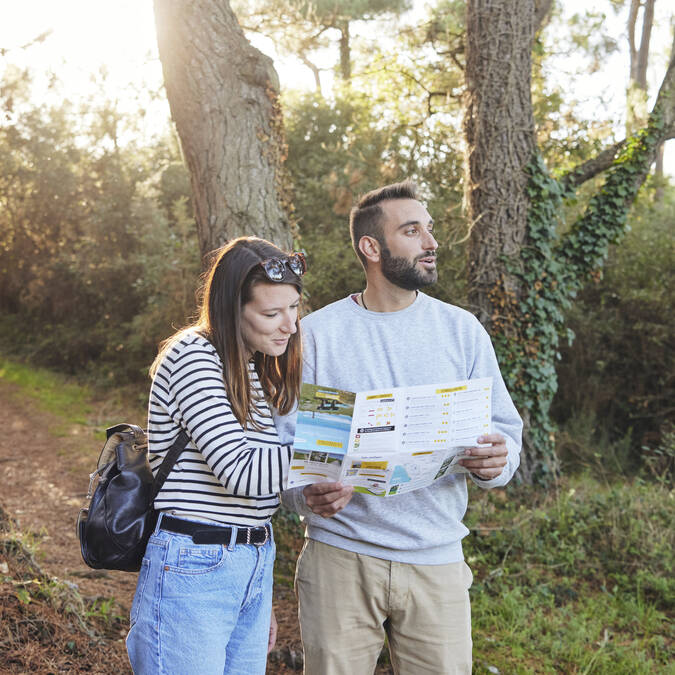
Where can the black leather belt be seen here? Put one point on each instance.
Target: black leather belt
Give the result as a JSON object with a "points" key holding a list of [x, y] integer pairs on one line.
{"points": [[203, 533]]}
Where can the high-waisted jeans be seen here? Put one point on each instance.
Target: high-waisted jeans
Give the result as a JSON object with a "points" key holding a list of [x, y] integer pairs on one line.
{"points": [[201, 608]]}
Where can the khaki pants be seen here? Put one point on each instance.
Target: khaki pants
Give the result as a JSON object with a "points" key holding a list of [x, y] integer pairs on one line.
{"points": [[347, 601]]}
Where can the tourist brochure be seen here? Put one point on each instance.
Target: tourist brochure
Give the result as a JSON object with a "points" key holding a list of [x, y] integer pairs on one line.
{"points": [[387, 441]]}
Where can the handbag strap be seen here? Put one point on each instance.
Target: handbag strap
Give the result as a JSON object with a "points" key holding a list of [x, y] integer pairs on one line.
{"points": [[169, 460]]}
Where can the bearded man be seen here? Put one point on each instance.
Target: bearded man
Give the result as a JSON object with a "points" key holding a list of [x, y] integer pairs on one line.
{"points": [[371, 566]]}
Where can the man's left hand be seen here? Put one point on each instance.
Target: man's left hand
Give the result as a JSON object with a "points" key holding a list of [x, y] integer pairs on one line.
{"points": [[486, 463]]}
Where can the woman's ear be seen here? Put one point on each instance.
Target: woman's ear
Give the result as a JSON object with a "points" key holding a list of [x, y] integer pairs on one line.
{"points": [[370, 248]]}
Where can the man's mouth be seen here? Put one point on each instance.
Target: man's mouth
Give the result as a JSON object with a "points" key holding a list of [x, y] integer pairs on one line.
{"points": [[428, 260]]}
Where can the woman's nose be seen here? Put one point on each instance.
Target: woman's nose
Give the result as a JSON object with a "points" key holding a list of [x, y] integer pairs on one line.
{"points": [[289, 325]]}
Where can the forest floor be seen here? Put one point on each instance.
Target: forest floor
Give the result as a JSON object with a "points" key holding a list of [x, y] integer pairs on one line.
{"points": [[573, 579], [44, 483]]}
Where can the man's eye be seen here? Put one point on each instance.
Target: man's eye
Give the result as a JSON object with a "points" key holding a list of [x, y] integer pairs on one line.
{"points": [[412, 230]]}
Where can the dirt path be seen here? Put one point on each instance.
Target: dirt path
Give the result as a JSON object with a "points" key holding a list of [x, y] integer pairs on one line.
{"points": [[44, 482]]}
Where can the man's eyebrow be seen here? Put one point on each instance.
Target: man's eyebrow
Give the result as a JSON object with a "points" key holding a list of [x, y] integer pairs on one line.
{"points": [[413, 222]]}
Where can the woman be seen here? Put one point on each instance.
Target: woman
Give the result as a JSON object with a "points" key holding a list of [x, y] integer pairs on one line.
{"points": [[204, 594]]}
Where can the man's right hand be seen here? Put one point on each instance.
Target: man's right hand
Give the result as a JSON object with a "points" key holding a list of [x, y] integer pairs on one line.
{"points": [[326, 499]]}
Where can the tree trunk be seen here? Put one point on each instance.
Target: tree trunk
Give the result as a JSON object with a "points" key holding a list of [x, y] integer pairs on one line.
{"points": [[345, 51], [500, 142], [223, 95], [636, 95]]}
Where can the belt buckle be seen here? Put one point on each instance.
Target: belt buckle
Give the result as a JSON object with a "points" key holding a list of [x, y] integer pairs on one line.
{"points": [[263, 542]]}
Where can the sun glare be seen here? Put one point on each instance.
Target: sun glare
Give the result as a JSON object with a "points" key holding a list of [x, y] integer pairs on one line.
{"points": [[80, 38]]}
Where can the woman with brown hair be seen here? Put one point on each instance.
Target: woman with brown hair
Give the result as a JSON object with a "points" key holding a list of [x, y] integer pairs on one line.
{"points": [[204, 595]]}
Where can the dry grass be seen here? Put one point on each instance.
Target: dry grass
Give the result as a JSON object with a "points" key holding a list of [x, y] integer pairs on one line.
{"points": [[46, 627]]}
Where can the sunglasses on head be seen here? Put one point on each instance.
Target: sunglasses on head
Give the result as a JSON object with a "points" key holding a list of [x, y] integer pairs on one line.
{"points": [[275, 267]]}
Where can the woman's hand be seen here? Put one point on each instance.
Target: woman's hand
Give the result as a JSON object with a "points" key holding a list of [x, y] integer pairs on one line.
{"points": [[326, 499], [274, 628]]}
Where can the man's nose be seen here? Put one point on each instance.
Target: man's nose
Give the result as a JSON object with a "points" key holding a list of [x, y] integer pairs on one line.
{"points": [[429, 242]]}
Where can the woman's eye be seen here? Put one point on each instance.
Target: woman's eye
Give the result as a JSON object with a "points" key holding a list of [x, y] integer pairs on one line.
{"points": [[270, 316]]}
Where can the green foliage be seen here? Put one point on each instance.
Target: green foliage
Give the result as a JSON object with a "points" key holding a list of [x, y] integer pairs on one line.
{"points": [[584, 572], [306, 28], [48, 390], [289, 540], [566, 48], [620, 367], [85, 226], [67, 404]]}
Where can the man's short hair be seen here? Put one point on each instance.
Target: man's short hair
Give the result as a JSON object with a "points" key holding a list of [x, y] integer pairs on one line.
{"points": [[365, 219]]}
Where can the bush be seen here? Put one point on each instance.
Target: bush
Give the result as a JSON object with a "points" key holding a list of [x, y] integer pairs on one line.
{"points": [[578, 579], [618, 376]]}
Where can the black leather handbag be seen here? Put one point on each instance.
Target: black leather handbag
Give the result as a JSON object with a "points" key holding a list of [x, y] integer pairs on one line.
{"points": [[118, 519]]}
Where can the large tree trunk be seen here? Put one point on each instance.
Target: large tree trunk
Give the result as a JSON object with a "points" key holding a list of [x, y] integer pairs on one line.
{"points": [[500, 142], [223, 95]]}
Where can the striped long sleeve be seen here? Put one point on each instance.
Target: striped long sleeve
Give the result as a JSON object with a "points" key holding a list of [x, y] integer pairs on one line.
{"points": [[227, 473]]}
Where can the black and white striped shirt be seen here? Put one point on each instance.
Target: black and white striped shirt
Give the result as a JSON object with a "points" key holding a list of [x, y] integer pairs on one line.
{"points": [[227, 474]]}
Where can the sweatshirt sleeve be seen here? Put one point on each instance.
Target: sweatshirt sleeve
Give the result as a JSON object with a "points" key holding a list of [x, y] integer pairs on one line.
{"points": [[505, 417], [197, 399]]}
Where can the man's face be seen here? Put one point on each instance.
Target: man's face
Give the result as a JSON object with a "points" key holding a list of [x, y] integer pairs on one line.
{"points": [[408, 253]]}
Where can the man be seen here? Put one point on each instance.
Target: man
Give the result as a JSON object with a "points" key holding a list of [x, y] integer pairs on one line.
{"points": [[373, 566]]}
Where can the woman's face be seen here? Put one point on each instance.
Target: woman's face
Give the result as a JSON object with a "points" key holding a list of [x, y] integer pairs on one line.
{"points": [[269, 319]]}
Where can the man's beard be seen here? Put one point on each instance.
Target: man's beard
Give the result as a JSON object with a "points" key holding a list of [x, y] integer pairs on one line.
{"points": [[402, 273]]}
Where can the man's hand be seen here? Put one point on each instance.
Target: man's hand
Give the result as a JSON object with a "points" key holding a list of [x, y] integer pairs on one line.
{"points": [[486, 463], [326, 499], [274, 627]]}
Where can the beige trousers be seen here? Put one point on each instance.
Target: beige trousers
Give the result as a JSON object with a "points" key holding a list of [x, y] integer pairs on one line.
{"points": [[348, 601]]}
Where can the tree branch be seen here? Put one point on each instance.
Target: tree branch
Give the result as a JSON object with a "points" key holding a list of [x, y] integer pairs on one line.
{"points": [[541, 11], [591, 168], [643, 53], [665, 100], [632, 21]]}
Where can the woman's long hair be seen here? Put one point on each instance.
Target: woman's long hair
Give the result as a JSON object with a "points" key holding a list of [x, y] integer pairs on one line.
{"points": [[227, 287]]}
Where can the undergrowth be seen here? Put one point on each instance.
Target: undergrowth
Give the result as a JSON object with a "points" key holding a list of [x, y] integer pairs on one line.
{"points": [[576, 579], [74, 407], [47, 627]]}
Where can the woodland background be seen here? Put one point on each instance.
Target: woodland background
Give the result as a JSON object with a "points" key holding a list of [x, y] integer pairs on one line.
{"points": [[100, 255]]}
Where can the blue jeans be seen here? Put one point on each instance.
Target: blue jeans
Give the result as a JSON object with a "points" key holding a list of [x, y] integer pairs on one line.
{"points": [[201, 608]]}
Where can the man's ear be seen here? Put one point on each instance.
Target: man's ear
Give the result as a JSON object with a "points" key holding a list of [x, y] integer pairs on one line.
{"points": [[370, 248]]}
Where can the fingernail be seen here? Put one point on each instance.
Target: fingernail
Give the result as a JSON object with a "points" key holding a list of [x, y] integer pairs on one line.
{"points": [[481, 439]]}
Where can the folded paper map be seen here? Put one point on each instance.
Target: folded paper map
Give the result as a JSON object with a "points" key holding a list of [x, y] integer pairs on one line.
{"points": [[387, 441]]}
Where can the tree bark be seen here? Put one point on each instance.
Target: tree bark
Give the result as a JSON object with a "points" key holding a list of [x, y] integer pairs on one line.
{"points": [[223, 95], [500, 142], [636, 113], [345, 51]]}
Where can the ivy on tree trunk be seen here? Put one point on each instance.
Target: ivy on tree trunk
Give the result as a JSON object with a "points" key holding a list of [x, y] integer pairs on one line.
{"points": [[523, 273]]}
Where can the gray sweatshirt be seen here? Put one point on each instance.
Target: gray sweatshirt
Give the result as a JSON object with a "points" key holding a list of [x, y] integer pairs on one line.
{"points": [[428, 342]]}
